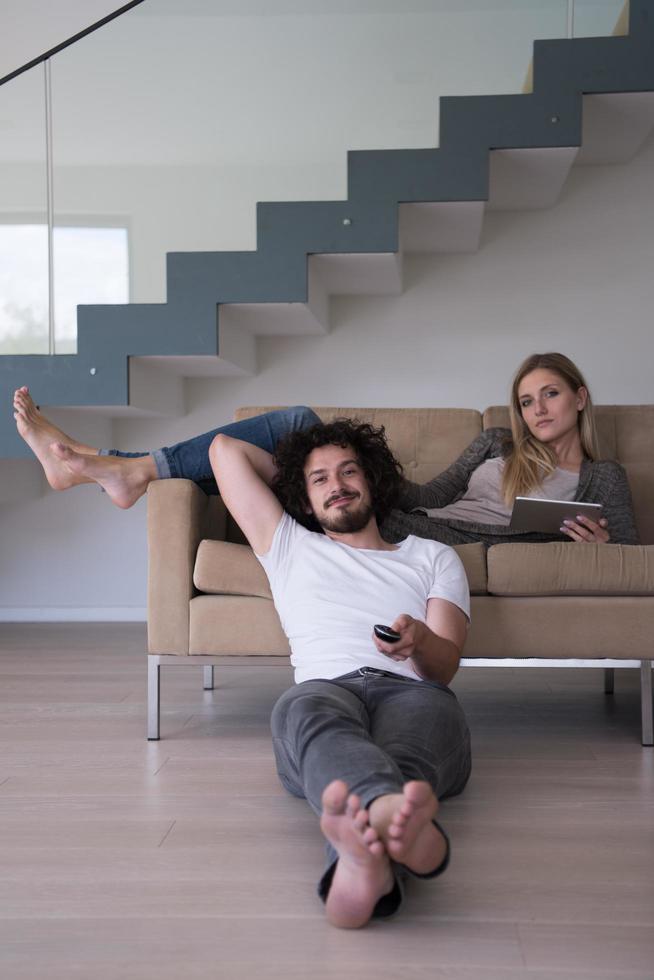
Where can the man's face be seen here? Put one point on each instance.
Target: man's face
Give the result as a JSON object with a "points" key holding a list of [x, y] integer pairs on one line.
{"points": [[337, 489]]}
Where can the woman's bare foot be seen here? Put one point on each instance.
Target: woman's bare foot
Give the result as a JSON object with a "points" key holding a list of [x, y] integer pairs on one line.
{"points": [[39, 434], [404, 824], [125, 480], [68, 463], [363, 872]]}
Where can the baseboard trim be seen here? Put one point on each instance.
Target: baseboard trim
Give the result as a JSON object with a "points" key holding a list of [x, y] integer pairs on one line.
{"points": [[73, 614]]}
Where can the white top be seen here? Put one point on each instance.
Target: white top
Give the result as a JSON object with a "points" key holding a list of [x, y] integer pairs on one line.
{"points": [[483, 501], [329, 596]]}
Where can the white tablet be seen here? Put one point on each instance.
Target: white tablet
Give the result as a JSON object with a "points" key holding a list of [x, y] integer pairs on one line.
{"points": [[534, 514]]}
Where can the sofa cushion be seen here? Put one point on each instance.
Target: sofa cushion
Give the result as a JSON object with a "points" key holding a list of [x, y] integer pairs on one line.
{"points": [[225, 568], [560, 627], [563, 568], [230, 625], [473, 557]]}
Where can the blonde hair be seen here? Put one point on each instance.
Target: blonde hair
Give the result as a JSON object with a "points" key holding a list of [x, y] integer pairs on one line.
{"points": [[530, 461]]}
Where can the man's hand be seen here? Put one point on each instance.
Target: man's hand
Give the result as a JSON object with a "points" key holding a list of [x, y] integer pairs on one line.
{"points": [[434, 647], [409, 630]]}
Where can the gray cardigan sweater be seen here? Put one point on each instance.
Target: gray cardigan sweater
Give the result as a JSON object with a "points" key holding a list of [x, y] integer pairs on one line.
{"points": [[602, 482]]}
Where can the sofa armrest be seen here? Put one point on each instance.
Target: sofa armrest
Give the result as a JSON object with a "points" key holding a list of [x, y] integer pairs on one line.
{"points": [[180, 515]]}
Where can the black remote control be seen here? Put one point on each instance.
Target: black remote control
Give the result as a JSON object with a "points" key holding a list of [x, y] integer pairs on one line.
{"points": [[386, 634]]}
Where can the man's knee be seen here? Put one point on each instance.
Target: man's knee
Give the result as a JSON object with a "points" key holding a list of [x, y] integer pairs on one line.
{"points": [[292, 703], [301, 417], [295, 704], [455, 769], [310, 702]]}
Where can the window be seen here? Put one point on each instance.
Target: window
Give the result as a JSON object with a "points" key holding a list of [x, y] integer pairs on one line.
{"points": [[91, 265]]}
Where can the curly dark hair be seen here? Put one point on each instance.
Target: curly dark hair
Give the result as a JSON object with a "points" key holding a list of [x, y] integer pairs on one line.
{"points": [[383, 472]]}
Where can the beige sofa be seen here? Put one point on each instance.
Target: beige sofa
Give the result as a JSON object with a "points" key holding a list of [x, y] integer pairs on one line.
{"points": [[208, 598]]}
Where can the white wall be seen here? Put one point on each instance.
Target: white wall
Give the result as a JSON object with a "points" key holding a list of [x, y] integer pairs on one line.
{"points": [[32, 27], [576, 278]]}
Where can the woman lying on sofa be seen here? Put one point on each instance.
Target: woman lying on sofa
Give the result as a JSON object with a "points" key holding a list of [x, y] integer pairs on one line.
{"points": [[550, 451]]}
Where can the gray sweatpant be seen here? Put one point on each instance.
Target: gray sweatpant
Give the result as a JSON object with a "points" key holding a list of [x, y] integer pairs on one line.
{"points": [[375, 730]]}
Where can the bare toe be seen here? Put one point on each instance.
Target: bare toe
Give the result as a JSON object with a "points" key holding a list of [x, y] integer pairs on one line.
{"points": [[334, 797], [404, 822], [363, 872]]}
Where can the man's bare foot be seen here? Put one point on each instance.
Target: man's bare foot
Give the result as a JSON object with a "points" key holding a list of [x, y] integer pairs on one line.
{"points": [[363, 872], [125, 480], [404, 824], [39, 434]]}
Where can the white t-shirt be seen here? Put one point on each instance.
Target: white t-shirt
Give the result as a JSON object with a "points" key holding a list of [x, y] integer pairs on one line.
{"points": [[329, 596]]}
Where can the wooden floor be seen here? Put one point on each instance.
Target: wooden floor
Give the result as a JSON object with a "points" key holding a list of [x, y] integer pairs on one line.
{"points": [[184, 858]]}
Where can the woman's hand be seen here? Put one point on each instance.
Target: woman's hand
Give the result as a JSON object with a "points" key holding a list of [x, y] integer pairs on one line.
{"points": [[584, 529]]}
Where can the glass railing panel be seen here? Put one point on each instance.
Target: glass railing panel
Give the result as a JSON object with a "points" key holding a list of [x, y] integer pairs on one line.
{"points": [[175, 119], [24, 304], [91, 265]]}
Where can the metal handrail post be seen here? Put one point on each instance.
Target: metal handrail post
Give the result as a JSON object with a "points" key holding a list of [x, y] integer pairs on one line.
{"points": [[49, 204]]}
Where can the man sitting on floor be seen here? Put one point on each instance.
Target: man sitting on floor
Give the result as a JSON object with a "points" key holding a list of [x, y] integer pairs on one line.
{"points": [[370, 734]]}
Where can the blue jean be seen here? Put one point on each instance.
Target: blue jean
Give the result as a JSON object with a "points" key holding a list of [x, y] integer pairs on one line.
{"points": [[375, 731], [190, 459]]}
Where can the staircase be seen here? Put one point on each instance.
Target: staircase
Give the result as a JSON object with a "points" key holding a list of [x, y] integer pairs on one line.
{"points": [[587, 101]]}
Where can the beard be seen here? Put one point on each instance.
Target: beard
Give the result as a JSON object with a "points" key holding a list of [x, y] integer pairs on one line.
{"points": [[346, 521]]}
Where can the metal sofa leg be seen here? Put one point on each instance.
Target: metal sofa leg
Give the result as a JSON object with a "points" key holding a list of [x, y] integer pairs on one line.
{"points": [[153, 697], [609, 679], [646, 701], [208, 678]]}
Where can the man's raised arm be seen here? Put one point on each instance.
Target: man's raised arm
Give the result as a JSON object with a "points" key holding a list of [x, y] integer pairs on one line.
{"points": [[243, 473]]}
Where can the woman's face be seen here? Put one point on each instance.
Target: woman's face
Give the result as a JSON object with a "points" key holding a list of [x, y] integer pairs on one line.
{"points": [[549, 405]]}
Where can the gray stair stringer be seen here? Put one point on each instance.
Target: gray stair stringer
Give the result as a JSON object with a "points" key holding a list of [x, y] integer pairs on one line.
{"points": [[188, 324]]}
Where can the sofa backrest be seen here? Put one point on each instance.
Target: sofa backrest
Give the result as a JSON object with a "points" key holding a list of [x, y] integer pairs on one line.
{"points": [[427, 440], [626, 433]]}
